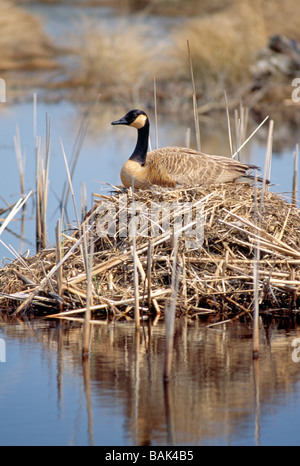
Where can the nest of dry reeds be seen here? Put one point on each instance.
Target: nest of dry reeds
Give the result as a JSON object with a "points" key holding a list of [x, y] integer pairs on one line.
{"points": [[224, 247]]}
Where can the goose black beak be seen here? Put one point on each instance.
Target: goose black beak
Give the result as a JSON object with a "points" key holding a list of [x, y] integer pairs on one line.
{"points": [[122, 121]]}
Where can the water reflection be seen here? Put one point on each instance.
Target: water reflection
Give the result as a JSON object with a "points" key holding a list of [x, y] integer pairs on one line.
{"points": [[217, 394]]}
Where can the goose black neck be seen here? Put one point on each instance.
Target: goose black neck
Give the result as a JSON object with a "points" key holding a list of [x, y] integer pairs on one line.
{"points": [[140, 152]]}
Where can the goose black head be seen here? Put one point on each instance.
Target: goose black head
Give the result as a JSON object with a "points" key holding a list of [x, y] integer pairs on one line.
{"points": [[136, 118]]}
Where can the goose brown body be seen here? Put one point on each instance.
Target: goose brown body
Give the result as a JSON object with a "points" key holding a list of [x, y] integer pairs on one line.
{"points": [[173, 166]]}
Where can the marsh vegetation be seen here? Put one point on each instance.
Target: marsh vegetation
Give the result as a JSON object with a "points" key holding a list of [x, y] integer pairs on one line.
{"points": [[117, 64], [230, 48]]}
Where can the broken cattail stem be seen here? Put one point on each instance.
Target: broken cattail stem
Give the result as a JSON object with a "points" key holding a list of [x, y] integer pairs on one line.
{"points": [[58, 259]]}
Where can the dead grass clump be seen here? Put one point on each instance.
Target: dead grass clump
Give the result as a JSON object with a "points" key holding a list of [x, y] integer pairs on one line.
{"points": [[225, 44], [23, 43], [281, 18], [115, 62], [171, 7], [218, 231]]}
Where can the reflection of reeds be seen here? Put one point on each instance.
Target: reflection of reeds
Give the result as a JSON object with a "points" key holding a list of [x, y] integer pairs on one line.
{"points": [[170, 314], [215, 382]]}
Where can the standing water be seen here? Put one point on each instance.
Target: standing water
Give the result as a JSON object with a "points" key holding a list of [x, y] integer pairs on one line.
{"points": [[217, 394]]}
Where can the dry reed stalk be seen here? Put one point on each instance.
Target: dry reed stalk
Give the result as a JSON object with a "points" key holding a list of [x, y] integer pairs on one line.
{"points": [[115, 261], [59, 275], [75, 291], [45, 279], [80, 135], [156, 306], [20, 160], [295, 176], [241, 121], [228, 124], [70, 185], [39, 238], [284, 225], [195, 109], [42, 183], [83, 199], [89, 301], [255, 336], [16, 208], [268, 163], [266, 246], [155, 113], [5, 209], [158, 294], [73, 163], [269, 239], [37, 174], [135, 272], [149, 269], [70, 189], [249, 137], [184, 286], [218, 275], [258, 219]]}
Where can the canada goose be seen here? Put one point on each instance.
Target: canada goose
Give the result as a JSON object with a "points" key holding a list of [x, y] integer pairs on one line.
{"points": [[172, 166]]}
